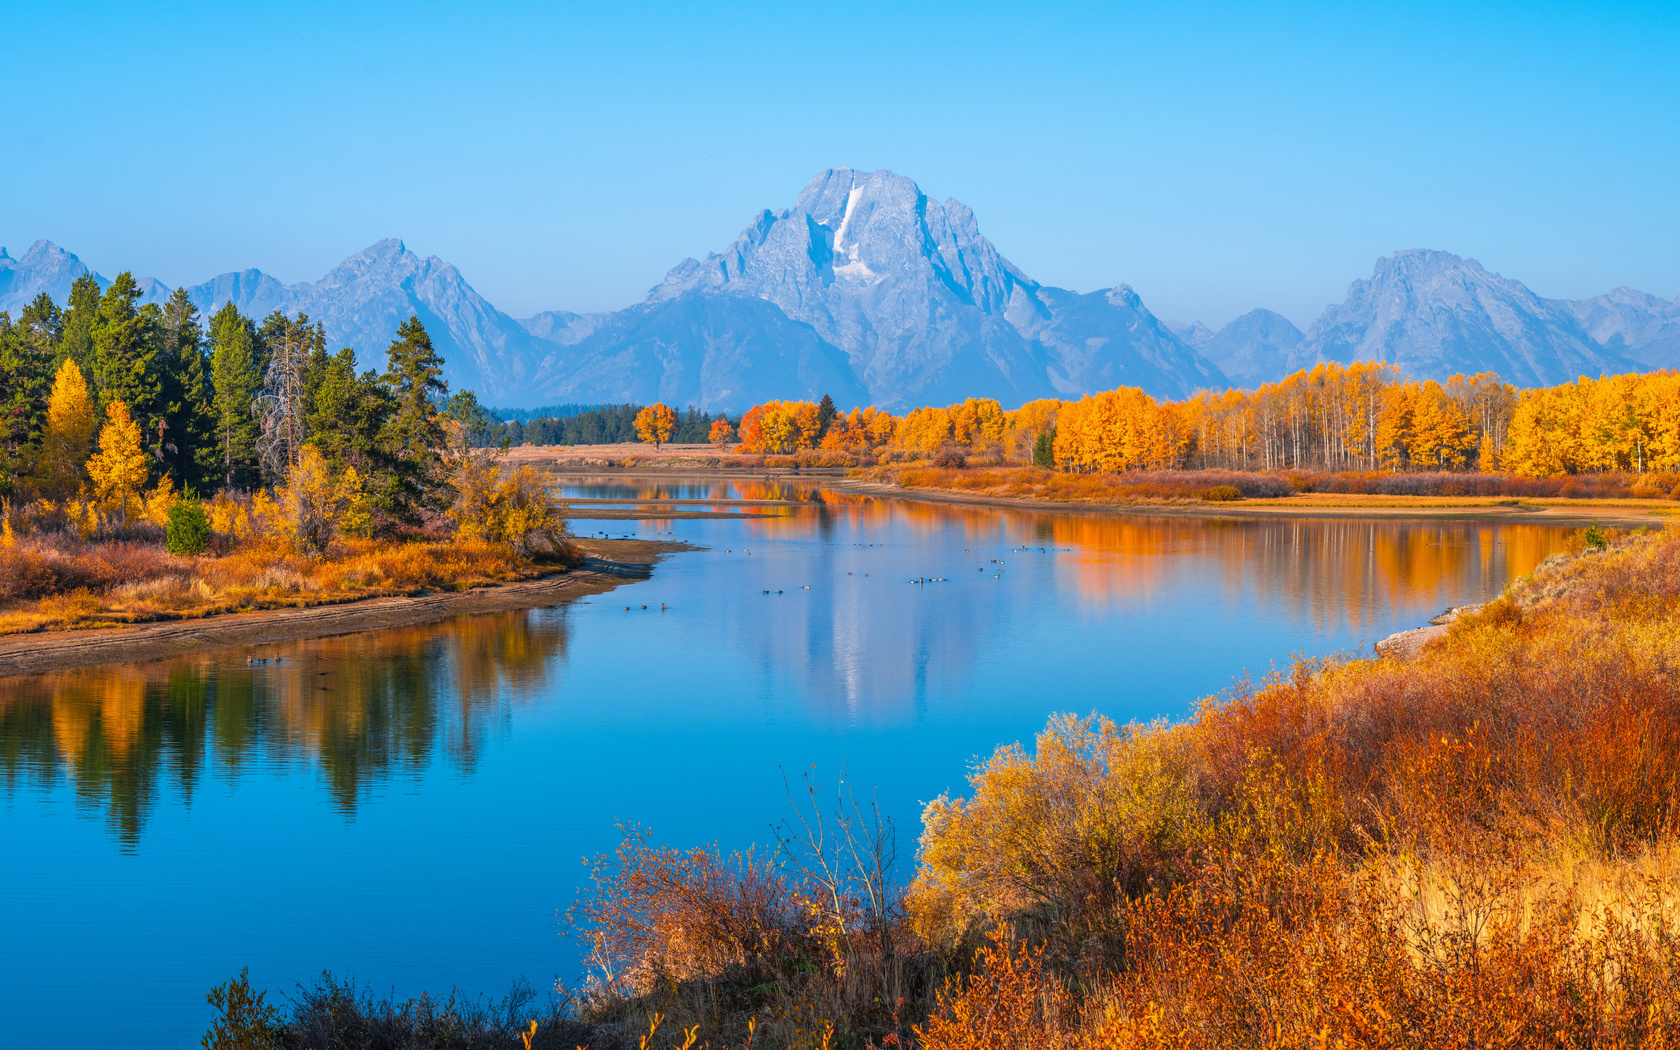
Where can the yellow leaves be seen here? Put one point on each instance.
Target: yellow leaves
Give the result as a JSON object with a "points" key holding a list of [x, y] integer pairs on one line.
{"points": [[119, 468], [69, 433], [515, 510], [311, 502], [1124, 429], [157, 502], [655, 423]]}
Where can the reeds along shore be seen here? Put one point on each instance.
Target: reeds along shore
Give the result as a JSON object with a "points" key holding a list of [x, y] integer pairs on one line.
{"points": [[1474, 848]]}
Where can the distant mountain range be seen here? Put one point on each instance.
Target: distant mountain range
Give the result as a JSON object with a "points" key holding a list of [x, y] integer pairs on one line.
{"points": [[869, 291]]}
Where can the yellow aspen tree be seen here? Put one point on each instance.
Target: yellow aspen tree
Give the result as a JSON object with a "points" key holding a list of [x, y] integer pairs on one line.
{"points": [[119, 468], [68, 436], [723, 432]]}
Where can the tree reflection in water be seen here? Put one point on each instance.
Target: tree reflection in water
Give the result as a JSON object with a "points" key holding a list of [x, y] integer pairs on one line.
{"points": [[360, 708]]}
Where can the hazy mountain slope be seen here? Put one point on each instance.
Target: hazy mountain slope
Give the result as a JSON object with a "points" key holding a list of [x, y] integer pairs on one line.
{"points": [[1253, 349], [1101, 340], [45, 267], [1434, 314], [364, 299], [705, 349], [1636, 324]]}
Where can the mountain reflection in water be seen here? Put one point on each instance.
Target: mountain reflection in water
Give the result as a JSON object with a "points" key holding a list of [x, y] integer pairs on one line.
{"points": [[359, 708]]}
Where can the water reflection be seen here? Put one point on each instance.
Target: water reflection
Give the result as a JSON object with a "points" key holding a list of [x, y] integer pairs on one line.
{"points": [[358, 709], [865, 645], [825, 611]]}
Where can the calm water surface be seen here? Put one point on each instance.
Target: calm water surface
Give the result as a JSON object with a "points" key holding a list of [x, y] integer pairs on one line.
{"points": [[411, 807]]}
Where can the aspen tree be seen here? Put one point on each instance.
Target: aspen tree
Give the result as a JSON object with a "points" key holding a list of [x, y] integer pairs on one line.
{"points": [[119, 468], [68, 435]]}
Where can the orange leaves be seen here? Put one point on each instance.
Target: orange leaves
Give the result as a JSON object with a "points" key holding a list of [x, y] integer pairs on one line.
{"points": [[1124, 429], [1008, 1001], [655, 423], [780, 427]]}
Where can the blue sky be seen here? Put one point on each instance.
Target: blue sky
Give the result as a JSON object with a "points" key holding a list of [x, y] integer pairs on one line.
{"points": [[1216, 157]]}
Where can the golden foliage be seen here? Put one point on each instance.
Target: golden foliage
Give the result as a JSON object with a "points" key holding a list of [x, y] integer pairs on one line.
{"points": [[68, 436], [515, 510], [655, 423], [780, 427], [118, 470], [312, 503]]}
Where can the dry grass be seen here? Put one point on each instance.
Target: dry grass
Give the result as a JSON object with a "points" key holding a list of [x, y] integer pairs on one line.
{"points": [[1654, 492], [61, 583]]}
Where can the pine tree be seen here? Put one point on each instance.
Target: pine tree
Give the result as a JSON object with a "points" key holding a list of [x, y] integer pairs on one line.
{"points": [[119, 468], [125, 352], [21, 403], [80, 317], [233, 381], [189, 420], [68, 434], [825, 415], [414, 435], [345, 413]]}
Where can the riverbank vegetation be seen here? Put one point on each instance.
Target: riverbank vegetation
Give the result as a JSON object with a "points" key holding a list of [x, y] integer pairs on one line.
{"points": [[329, 484], [1477, 847], [1334, 419]]}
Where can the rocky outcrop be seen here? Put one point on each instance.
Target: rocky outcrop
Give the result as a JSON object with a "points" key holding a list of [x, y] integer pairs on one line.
{"points": [[1404, 645]]}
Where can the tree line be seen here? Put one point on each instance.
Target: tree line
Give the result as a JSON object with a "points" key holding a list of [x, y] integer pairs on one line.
{"points": [[603, 425], [224, 404], [1363, 417]]}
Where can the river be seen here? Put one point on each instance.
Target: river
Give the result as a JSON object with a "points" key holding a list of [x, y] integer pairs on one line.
{"points": [[412, 807]]}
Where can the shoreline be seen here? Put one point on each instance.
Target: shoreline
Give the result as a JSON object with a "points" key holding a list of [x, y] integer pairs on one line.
{"points": [[1497, 510], [43, 651]]}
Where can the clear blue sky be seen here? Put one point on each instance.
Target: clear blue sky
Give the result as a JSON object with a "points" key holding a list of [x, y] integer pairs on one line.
{"points": [[1216, 157]]}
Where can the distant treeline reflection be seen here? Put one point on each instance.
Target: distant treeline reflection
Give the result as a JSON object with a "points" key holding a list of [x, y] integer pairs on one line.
{"points": [[360, 708]]}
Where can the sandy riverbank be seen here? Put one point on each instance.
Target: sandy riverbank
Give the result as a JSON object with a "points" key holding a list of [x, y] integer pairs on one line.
{"points": [[609, 564]]}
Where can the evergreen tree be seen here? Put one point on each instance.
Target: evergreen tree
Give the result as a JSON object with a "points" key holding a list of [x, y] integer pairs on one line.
{"points": [[189, 419], [233, 381], [125, 353], [22, 405], [81, 316], [345, 414], [43, 325], [414, 435], [825, 415]]}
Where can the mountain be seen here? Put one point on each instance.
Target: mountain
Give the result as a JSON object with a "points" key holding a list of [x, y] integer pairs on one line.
{"points": [[1636, 324], [715, 351], [867, 290], [922, 308], [1434, 314], [1253, 349], [364, 299], [360, 304], [45, 267]]}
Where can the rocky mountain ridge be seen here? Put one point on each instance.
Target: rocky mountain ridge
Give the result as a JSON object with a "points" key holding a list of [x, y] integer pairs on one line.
{"points": [[868, 290]]}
